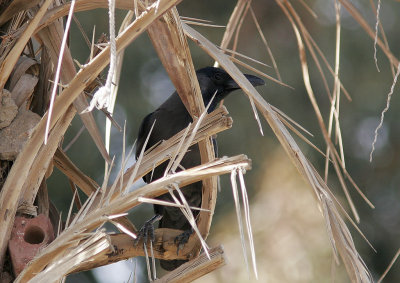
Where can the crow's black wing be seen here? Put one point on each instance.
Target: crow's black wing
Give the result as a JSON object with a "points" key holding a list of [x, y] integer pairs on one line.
{"points": [[144, 130]]}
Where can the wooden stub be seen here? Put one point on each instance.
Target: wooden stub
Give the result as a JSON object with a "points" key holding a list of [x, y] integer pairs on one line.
{"points": [[197, 267], [124, 248]]}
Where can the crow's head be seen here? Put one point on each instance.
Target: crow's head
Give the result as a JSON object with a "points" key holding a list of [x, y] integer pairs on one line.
{"points": [[213, 80]]}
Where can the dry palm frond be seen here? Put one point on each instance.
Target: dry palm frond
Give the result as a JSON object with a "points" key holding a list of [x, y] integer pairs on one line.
{"points": [[53, 37], [340, 237], [296, 24], [300, 135], [258, 72], [239, 25], [9, 62], [195, 23], [32, 154], [264, 40], [335, 102], [14, 8], [390, 266], [244, 56], [233, 22], [88, 219], [239, 215], [195, 19], [90, 249], [336, 159], [246, 206], [293, 17], [61, 48], [167, 203], [307, 7], [284, 116], [288, 123], [74, 139], [65, 165], [83, 5]]}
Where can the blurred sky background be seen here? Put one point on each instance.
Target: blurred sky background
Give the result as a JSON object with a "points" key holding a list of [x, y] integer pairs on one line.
{"points": [[290, 236]]}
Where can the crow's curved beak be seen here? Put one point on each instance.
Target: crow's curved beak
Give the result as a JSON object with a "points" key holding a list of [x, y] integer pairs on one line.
{"points": [[255, 81]]}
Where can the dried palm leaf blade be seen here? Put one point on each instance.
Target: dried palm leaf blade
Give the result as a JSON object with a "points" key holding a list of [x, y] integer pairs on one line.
{"points": [[340, 237], [13, 187]]}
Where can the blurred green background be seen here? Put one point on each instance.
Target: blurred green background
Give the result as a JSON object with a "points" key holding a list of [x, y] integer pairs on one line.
{"points": [[290, 237]]}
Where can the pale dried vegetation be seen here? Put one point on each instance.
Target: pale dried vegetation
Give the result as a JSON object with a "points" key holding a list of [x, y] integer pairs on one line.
{"points": [[33, 30]]}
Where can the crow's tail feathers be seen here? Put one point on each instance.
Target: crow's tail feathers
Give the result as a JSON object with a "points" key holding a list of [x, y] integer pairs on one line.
{"points": [[171, 264]]}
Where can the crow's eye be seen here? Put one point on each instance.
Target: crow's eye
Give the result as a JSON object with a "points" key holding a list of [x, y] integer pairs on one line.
{"points": [[218, 77]]}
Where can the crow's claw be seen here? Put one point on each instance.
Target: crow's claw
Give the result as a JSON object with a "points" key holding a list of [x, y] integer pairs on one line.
{"points": [[182, 239], [146, 232]]}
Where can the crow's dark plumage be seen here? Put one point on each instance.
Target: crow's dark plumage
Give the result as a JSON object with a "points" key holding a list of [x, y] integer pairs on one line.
{"points": [[170, 118]]}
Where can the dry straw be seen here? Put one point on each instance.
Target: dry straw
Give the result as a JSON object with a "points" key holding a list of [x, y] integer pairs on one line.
{"points": [[83, 244]]}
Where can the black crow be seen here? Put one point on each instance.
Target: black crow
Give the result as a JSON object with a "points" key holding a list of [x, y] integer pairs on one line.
{"points": [[170, 118]]}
